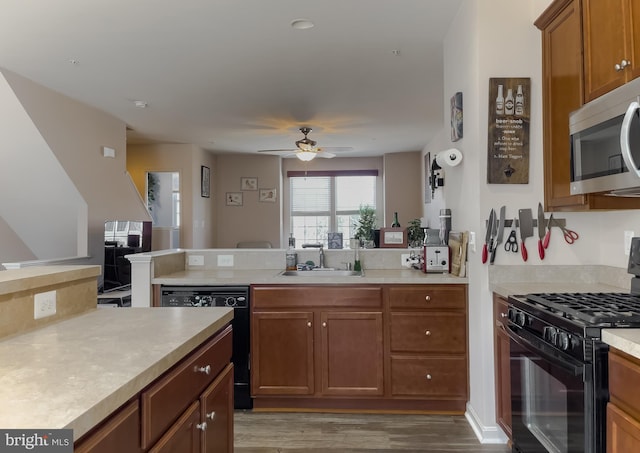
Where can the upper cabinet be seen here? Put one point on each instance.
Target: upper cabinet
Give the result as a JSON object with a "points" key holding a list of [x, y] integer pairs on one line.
{"points": [[564, 88], [611, 33]]}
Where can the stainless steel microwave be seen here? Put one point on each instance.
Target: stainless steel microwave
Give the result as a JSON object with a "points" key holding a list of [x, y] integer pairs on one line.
{"points": [[605, 143]]}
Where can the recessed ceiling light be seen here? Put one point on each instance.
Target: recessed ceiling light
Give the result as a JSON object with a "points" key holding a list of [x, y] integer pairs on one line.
{"points": [[302, 24]]}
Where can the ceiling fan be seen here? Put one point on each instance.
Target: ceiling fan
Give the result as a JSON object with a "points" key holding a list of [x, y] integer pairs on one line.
{"points": [[306, 149]]}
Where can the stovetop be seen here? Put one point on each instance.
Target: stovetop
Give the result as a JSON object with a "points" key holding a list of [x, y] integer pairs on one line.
{"points": [[601, 309]]}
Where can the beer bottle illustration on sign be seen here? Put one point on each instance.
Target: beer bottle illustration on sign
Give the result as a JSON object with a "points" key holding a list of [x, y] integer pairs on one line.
{"points": [[519, 101], [509, 103], [500, 102]]}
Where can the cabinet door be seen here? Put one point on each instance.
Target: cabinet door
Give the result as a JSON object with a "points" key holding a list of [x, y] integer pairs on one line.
{"points": [[184, 435], [606, 44], [217, 411], [120, 433], [623, 431], [351, 353], [282, 353], [501, 365]]}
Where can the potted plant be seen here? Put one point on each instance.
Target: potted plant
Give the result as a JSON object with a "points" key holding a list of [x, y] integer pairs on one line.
{"points": [[365, 225], [415, 233]]}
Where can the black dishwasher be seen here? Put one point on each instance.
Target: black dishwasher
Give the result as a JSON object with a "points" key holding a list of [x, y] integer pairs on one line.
{"points": [[222, 296]]}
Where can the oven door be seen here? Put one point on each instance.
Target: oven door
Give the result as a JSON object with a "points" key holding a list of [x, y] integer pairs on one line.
{"points": [[547, 397]]}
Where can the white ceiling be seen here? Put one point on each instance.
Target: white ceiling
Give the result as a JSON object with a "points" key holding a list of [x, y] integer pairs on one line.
{"points": [[234, 76]]}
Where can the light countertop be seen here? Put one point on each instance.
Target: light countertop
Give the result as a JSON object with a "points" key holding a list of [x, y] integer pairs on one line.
{"points": [[272, 276], [506, 289], [74, 373], [626, 340]]}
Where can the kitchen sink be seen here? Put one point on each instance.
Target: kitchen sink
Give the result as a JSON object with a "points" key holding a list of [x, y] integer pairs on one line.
{"points": [[323, 273]]}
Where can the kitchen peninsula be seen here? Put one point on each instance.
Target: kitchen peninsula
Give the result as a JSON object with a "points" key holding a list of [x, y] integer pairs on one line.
{"points": [[90, 363]]}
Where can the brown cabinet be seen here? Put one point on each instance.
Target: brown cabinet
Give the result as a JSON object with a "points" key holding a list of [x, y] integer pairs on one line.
{"points": [[501, 364], [563, 92], [611, 33], [187, 409], [427, 347], [121, 433], [304, 335], [623, 409]]}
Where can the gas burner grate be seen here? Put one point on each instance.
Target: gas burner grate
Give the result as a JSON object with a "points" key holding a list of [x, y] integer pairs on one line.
{"points": [[595, 308]]}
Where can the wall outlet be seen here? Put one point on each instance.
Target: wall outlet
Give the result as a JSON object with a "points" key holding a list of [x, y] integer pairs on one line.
{"points": [[225, 260], [627, 241], [196, 260], [44, 304]]}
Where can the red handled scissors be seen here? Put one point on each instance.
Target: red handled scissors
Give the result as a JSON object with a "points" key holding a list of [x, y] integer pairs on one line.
{"points": [[569, 235]]}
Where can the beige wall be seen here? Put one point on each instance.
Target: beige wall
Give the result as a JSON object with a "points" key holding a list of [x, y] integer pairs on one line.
{"points": [[402, 187], [75, 134], [197, 229], [254, 220]]}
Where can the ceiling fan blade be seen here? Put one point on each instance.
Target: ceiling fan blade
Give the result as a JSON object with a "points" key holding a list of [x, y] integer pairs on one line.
{"points": [[335, 149], [277, 151], [326, 155]]}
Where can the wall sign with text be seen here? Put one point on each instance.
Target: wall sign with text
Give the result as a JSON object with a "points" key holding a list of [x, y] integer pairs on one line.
{"points": [[508, 140]]}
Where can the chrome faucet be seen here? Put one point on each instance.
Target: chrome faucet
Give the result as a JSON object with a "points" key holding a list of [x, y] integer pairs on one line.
{"points": [[318, 246]]}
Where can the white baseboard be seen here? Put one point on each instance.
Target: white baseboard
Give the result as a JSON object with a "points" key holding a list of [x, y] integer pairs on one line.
{"points": [[485, 434]]}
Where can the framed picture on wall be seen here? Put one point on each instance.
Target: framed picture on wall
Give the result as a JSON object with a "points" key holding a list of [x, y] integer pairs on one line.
{"points": [[233, 199], [249, 183], [205, 182], [268, 195]]}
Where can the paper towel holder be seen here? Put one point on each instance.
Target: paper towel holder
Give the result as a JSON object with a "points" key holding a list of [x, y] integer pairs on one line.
{"points": [[449, 158]]}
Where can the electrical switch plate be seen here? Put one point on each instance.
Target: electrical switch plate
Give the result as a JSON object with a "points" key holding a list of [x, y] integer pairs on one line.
{"points": [[627, 241], [44, 304], [472, 241], [196, 260], [225, 260]]}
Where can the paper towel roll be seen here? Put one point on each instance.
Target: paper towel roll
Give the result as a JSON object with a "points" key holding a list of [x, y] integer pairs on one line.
{"points": [[450, 157]]}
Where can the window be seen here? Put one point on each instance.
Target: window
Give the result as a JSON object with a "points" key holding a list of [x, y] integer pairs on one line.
{"points": [[324, 202]]}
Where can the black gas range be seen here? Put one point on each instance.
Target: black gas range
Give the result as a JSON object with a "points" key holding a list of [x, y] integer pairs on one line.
{"points": [[559, 373]]}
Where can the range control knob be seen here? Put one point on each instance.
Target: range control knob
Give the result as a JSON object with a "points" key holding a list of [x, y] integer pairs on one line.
{"points": [[549, 334], [564, 341], [521, 318]]}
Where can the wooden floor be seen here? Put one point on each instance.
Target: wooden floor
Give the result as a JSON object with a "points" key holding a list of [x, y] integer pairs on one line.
{"points": [[261, 432]]}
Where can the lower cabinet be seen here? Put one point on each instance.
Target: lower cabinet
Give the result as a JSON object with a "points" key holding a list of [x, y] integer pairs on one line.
{"points": [[395, 347], [339, 347], [502, 365], [187, 409], [623, 409]]}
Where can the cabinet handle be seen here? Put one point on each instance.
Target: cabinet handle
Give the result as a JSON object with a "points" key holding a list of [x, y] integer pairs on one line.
{"points": [[623, 64], [203, 369], [211, 415], [427, 298], [324, 324], [309, 324], [427, 333], [428, 376], [202, 426]]}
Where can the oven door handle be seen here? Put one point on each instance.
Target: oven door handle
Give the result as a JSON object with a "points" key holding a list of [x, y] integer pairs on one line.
{"points": [[569, 364]]}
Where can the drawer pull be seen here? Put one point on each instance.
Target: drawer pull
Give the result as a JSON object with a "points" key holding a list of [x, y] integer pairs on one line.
{"points": [[202, 426], [428, 376], [211, 415], [324, 324], [427, 298], [203, 369], [427, 333], [503, 315], [309, 324]]}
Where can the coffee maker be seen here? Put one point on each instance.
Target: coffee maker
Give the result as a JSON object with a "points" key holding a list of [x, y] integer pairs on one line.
{"points": [[436, 256]]}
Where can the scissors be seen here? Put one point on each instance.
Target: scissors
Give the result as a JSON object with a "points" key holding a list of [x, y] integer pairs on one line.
{"points": [[512, 242], [569, 235]]}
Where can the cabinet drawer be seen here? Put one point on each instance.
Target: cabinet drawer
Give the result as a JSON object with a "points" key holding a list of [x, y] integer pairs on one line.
{"points": [[428, 332], [428, 296], [624, 378], [316, 296], [442, 377], [169, 397]]}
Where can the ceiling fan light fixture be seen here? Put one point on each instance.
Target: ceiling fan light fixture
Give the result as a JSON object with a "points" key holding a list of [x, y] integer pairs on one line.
{"points": [[306, 156]]}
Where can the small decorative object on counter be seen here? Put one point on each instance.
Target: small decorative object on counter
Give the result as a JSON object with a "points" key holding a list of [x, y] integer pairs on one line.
{"points": [[357, 266], [395, 223], [292, 242], [291, 256]]}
